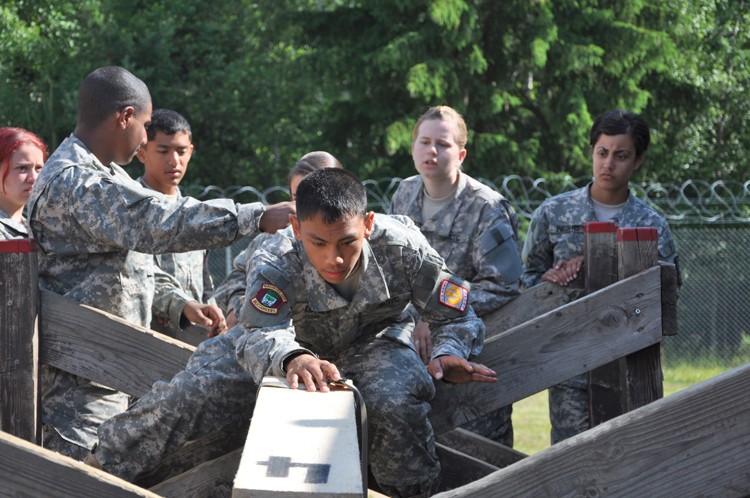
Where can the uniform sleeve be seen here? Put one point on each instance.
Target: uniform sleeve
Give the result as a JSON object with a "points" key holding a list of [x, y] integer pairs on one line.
{"points": [[537, 255], [266, 316], [496, 261], [442, 300], [169, 299], [208, 282], [102, 207], [232, 288]]}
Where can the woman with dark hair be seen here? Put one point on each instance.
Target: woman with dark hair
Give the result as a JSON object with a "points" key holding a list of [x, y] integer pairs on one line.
{"points": [[554, 246], [22, 155]]}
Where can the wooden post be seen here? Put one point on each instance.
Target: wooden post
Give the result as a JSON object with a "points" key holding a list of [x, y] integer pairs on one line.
{"points": [[607, 398], [19, 296], [638, 249], [633, 381]]}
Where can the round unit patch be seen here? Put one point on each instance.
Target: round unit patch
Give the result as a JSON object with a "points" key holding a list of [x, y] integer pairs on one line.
{"points": [[269, 299]]}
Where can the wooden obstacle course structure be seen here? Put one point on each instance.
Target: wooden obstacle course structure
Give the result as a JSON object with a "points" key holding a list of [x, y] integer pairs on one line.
{"points": [[542, 338]]}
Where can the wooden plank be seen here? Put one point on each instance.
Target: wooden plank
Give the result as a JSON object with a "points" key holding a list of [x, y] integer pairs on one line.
{"points": [[638, 249], [28, 470], [570, 340], [204, 480], [607, 393], [104, 348], [600, 255], [458, 468], [669, 293], [693, 443], [480, 447], [529, 304], [300, 443], [19, 341]]}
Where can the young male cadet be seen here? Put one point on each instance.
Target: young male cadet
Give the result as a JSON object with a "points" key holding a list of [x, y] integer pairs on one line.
{"points": [[97, 230], [332, 300], [165, 159]]}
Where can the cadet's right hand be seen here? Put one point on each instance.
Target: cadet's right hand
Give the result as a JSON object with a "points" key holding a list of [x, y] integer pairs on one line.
{"points": [[276, 216], [313, 372], [422, 341]]}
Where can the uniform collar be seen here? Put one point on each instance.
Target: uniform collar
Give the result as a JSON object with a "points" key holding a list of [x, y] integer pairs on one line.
{"points": [[452, 209]]}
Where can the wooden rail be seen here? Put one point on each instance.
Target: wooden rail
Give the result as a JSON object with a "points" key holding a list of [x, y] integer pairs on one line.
{"points": [[542, 338], [693, 443]]}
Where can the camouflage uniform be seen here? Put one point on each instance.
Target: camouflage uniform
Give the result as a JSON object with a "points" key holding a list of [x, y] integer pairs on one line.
{"points": [[12, 229], [190, 270], [97, 230], [367, 338], [555, 234], [477, 234], [231, 291]]}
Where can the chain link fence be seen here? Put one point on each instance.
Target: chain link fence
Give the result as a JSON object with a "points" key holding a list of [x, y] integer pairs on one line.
{"points": [[710, 222]]}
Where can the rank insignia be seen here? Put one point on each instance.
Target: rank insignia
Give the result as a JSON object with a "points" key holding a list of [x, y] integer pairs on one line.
{"points": [[453, 295], [269, 299]]}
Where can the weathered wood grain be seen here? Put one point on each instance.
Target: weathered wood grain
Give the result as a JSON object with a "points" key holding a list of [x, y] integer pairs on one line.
{"points": [[553, 347], [105, 348], [480, 447], [19, 339], [206, 480], [458, 468], [529, 304], [28, 470], [694, 443]]}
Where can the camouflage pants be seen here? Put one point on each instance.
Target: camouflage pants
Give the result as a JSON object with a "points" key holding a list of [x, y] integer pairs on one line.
{"points": [[72, 409], [214, 393], [569, 408]]}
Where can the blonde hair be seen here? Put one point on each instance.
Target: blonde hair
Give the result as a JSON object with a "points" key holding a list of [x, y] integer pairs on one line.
{"points": [[444, 113]]}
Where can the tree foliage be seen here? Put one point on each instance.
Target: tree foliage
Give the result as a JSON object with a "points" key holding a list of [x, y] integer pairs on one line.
{"points": [[263, 82]]}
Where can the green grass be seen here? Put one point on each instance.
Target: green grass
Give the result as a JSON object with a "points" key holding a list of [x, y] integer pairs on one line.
{"points": [[531, 415]]}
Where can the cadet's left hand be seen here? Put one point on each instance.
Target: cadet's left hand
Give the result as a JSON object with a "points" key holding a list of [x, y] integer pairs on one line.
{"points": [[457, 370], [208, 315]]}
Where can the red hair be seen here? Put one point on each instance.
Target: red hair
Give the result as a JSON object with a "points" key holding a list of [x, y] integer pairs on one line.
{"points": [[10, 140]]}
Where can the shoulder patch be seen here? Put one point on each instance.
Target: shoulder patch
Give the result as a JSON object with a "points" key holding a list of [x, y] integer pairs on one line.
{"points": [[269, 299], [453, 295]]}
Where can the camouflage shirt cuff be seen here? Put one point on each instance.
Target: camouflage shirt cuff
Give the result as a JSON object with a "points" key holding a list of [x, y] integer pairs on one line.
{"points": [[248, 218]]}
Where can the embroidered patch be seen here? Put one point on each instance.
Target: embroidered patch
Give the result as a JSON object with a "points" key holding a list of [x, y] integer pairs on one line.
{"points": [[269, 299], [453, 295]]}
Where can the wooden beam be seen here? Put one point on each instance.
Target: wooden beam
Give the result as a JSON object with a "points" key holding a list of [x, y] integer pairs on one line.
{"points": [[28, 470], [203, 480], [458, 468], [529, 304], [106, 349], [693, 443], [480, 447], [669, 293], [570, 340], [19, 345], [608, 395]]}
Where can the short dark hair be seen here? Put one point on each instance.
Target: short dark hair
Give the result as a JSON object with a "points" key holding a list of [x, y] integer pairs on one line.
{"points": [[334, 193], [108, 90], [313, 161], [168, 122], [620, 122]]}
